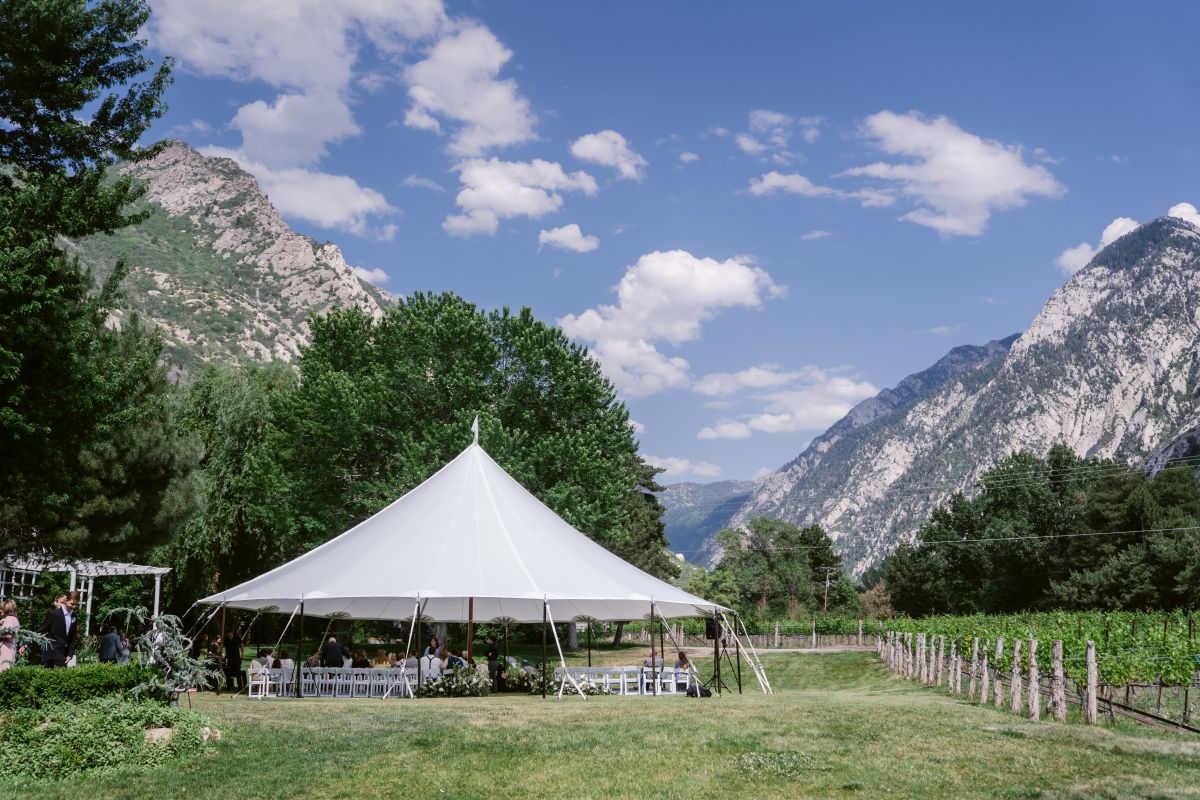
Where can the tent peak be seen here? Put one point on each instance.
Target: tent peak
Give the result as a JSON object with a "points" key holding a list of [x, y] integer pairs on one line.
{"points": [[475, 429]]}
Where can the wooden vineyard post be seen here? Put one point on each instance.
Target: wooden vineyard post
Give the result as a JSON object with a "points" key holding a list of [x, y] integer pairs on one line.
{"points": [[974, 668], [984, 681], [920, 658], [998, 689], [1035, 686], [1058, 682], [1014, 680], [776, 634], [1187, 690], [941, 657], [1092, 681], [929, 661], [860, 631], [814, 633]]}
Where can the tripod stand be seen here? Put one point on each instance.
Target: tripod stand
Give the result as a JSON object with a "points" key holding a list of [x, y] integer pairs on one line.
{"points": [[721, 651]]}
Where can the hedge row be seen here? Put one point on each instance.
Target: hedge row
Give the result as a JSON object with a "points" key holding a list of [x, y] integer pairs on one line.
{"points": [[38, 687]]}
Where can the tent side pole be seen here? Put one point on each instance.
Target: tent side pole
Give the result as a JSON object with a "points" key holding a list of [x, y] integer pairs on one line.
{"points": [[716, 652], [589, 631], [545, 614], [300, 657], [223, 651], [653, 660], [419, 658], [470, 629], [567, 676], [662, 639]]}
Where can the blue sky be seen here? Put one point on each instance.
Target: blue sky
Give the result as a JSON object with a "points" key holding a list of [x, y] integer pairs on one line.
{"points": [[755, 215]]}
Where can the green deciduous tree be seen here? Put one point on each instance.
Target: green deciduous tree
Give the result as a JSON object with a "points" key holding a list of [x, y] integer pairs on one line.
{"points": [[76, 398]]}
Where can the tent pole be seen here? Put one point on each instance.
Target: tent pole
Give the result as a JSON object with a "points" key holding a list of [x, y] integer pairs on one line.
{"points": [[662, 640], [419, 658], [300, 657], [224, 655], [545, 614], [589, 644], [716, 652], [567, 676], [737, 648], [653, 660], [470, 629]]}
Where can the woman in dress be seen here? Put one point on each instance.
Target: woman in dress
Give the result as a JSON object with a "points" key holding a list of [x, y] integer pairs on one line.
{"points": [[8, 640]]}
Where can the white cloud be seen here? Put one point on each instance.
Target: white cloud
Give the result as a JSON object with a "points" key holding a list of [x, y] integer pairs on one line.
{"points": [[310, 51], [729, 429], [1076, 258], [1185, 211], [337, 202], [1043, 155], [295, 129], [688, 157], [665, 297], [495, 190], [424, 183], [636, 426], [674, 467], [957, 178], [719, 132], [568, 237], [762, 472], [610, 149], [771, 132], [372, 276], [764, 376], [749, 144], [814, 235], [457, 81], [943, 330], [794, 183], [811, 399]]}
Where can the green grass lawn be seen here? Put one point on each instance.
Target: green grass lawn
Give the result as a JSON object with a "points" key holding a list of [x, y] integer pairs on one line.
{"points": [[840, 726]]}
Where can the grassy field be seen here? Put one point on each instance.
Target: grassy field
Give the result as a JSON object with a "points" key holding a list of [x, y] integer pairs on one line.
{"points": [[840, 726]]}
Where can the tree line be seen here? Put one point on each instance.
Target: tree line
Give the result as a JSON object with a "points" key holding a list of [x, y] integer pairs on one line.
{"points": [[1059, 532], [248, 465]]}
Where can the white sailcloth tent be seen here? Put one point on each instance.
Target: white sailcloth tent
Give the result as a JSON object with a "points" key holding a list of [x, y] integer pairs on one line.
{"points": [[468, 543]]}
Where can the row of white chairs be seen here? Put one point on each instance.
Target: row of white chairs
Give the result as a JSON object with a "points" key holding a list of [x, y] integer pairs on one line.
{"points": [[631, 680], [335, 682]]}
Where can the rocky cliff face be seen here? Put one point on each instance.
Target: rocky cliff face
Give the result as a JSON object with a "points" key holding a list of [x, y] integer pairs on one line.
{"points": [[1111, 367], [217, 269]]}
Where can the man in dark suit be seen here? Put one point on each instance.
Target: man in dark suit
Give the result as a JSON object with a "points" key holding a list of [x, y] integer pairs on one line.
{"points": [[110, 645], [331, 653], [60, 628]]}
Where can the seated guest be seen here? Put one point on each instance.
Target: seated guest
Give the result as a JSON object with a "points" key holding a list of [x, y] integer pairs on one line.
{"points": [[410, 661], [683, 672], [653, 660], [381, 660], [360, 660], [313, 661], [431, 666], [453, 659], [260, 661], [393, 662], [283, 662], [331, 653]]}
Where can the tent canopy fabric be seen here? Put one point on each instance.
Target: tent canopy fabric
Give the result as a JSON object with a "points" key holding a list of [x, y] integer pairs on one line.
{"points": [[470, 533]]}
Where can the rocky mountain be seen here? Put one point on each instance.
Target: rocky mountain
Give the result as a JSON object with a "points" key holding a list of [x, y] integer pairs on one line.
{"points": [[1110, 366], [697, 511], [217, 269]]}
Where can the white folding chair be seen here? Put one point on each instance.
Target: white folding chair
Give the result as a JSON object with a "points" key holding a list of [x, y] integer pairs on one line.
{"points": [[361, 683], [258, 683], [308, 682], [379, 683], [343, 682]]}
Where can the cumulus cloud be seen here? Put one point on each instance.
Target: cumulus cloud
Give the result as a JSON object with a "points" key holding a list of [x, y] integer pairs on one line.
{"points": [[495, 190], [673, 466], [610, 149], [770, 133], [814, 235], [943, 330], [763, 376], [688, 157], [310, 51], [1076, 258], [458, 82], [1185, 211], [957, 179], [337, 202], [424, 183], [665, 297], [793, 183], [808, 399], [372, 276], [568, 237]]}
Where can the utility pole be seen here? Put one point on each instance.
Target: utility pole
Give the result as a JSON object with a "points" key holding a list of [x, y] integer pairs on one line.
{"points": [[828, 571]]}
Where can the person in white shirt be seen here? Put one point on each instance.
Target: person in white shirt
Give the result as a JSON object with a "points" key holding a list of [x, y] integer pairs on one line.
{"points": [[285, 662], [431, 667]]}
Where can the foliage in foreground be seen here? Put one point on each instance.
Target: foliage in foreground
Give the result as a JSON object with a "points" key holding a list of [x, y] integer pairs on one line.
{"points": [[101, 733], [38, 687], [463, 682]]}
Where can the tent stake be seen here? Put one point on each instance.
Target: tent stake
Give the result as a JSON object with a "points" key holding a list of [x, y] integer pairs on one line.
{"points": [[545, 612]]}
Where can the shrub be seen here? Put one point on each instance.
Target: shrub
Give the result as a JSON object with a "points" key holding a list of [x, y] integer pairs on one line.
{"points": [[458, 683], [38, 687], [102, 733]]}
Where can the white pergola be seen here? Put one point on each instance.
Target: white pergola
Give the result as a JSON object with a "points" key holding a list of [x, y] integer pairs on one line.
{"points": [[22, 571]]}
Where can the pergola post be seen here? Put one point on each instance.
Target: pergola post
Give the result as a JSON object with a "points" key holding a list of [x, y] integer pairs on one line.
{"points": [[72, 581], [87, 623], [157, 590]]}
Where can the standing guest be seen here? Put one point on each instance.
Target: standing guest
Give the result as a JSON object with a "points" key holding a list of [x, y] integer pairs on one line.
{"points": [[9, 649], [331, 653], [200, 647], [492, 653], [125, 649], [59, 626], [233, 661], [110, 645], [434, 646]]}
